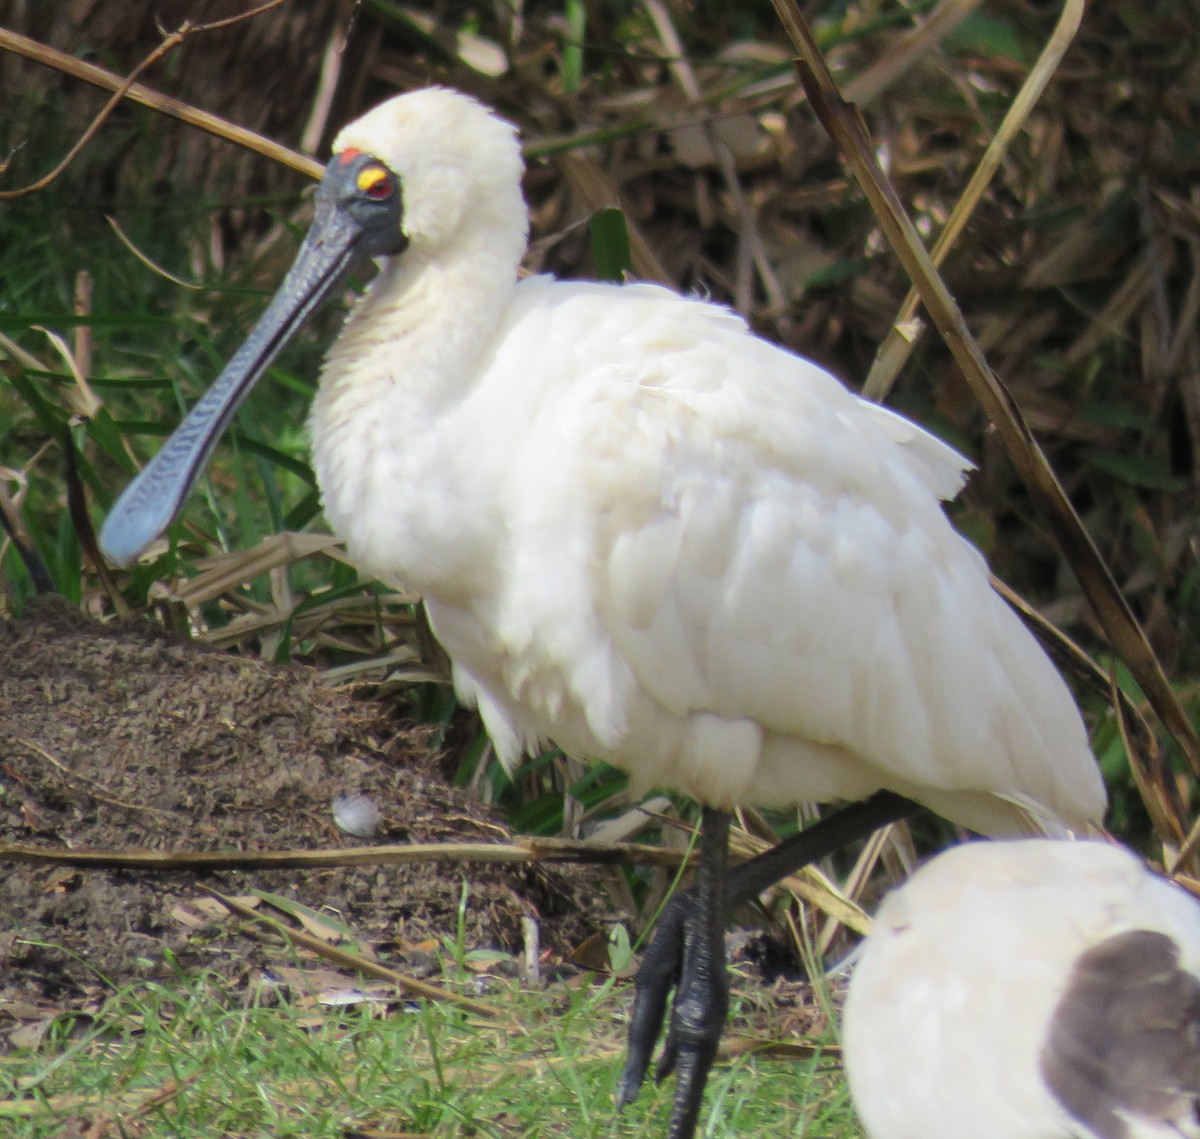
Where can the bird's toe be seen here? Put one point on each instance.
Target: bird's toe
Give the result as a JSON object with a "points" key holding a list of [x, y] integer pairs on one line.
{"points": [[658, 974], [697, 1021]]}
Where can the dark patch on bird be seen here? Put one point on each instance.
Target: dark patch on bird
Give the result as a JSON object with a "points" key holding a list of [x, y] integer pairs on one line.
{"points": [[1124, 1040]]}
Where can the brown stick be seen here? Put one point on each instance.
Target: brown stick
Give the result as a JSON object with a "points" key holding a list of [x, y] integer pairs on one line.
{"points": [[157, 101], [521, 850]]}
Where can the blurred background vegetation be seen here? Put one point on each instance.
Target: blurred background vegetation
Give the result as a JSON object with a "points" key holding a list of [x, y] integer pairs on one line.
{"points": [[128, 280]]}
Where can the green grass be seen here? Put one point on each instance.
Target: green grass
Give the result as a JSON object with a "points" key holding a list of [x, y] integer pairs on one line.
{"points": [[149, 347], [198, 1059]]}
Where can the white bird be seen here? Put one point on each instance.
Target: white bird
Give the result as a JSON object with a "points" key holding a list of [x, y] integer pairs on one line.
{"points": [[640, 531], [1029, 990]]}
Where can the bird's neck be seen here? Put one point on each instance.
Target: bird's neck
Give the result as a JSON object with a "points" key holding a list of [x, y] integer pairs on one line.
{"points": [[423, 325], [407, 358]]}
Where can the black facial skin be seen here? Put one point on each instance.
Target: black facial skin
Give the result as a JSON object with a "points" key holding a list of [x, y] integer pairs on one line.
{"points": [[359, 214]]}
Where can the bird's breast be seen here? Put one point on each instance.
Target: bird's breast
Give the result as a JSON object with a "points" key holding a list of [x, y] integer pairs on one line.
{"points": [[389, 491]]}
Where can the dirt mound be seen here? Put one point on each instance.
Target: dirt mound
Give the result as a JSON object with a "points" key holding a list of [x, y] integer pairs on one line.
{"points": [[127, 737]]}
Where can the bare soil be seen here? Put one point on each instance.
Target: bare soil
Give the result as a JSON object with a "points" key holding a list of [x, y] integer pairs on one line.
{"points": [[122, 737]]}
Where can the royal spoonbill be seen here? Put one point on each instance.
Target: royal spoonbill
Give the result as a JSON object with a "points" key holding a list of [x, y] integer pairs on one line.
{"points": [[642, 532], [1029, 990]]}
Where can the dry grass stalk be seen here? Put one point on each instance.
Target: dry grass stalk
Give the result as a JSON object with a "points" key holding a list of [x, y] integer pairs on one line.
{"points": [[524, 850], [907, 328], [406, 983], [154, 100]]}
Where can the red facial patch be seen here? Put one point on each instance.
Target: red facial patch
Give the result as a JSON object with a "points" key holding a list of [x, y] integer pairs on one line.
{"points": [[348, 155]]}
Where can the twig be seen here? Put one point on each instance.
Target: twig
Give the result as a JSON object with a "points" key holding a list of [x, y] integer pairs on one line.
{"points": [[146, 260], [897, 346], [520, 850], [1151, 772], [157, 101], [10, 522], [349, 960], [96, 789], [749, 231], [171, 42]]}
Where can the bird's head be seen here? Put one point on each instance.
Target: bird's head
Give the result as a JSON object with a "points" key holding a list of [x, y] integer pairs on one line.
{"points": [[416, 175], [454, 163]]}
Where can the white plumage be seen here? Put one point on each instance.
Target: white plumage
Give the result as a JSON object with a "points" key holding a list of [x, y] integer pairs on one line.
{"points": [[1006, 993], [645, 534], [650, 536]]}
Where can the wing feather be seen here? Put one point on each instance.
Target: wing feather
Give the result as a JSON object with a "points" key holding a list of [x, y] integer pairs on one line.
{"points": [[756, 544]]}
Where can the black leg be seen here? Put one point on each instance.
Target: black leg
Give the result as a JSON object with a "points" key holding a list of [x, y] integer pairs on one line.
{"points": [[702, 992], [854, 821], [689, 936]]}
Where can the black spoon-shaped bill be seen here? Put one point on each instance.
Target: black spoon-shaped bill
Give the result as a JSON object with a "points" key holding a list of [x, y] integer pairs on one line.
{"points": [[358, 216]]}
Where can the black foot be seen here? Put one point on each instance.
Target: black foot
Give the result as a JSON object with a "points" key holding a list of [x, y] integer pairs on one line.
{"points": [[697, 1021], [657, 976], [701, 984], [684, 942], [697, 1015]]}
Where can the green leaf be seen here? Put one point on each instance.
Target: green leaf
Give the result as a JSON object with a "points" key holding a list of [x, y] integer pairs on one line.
{"points": [[987, 35], [1139, 470], [610, 244], [303, 512], [572, 58], [844, 269], [1117, 415], [620, 948]]}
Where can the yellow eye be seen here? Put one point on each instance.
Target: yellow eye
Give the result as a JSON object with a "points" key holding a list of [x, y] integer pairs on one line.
{"points": [[375, 182]]}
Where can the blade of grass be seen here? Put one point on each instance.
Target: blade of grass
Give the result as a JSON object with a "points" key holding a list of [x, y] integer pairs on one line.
{"points": [[907, 49], [572, 51], [610, 244], [520, 850], [1151, 773]]}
